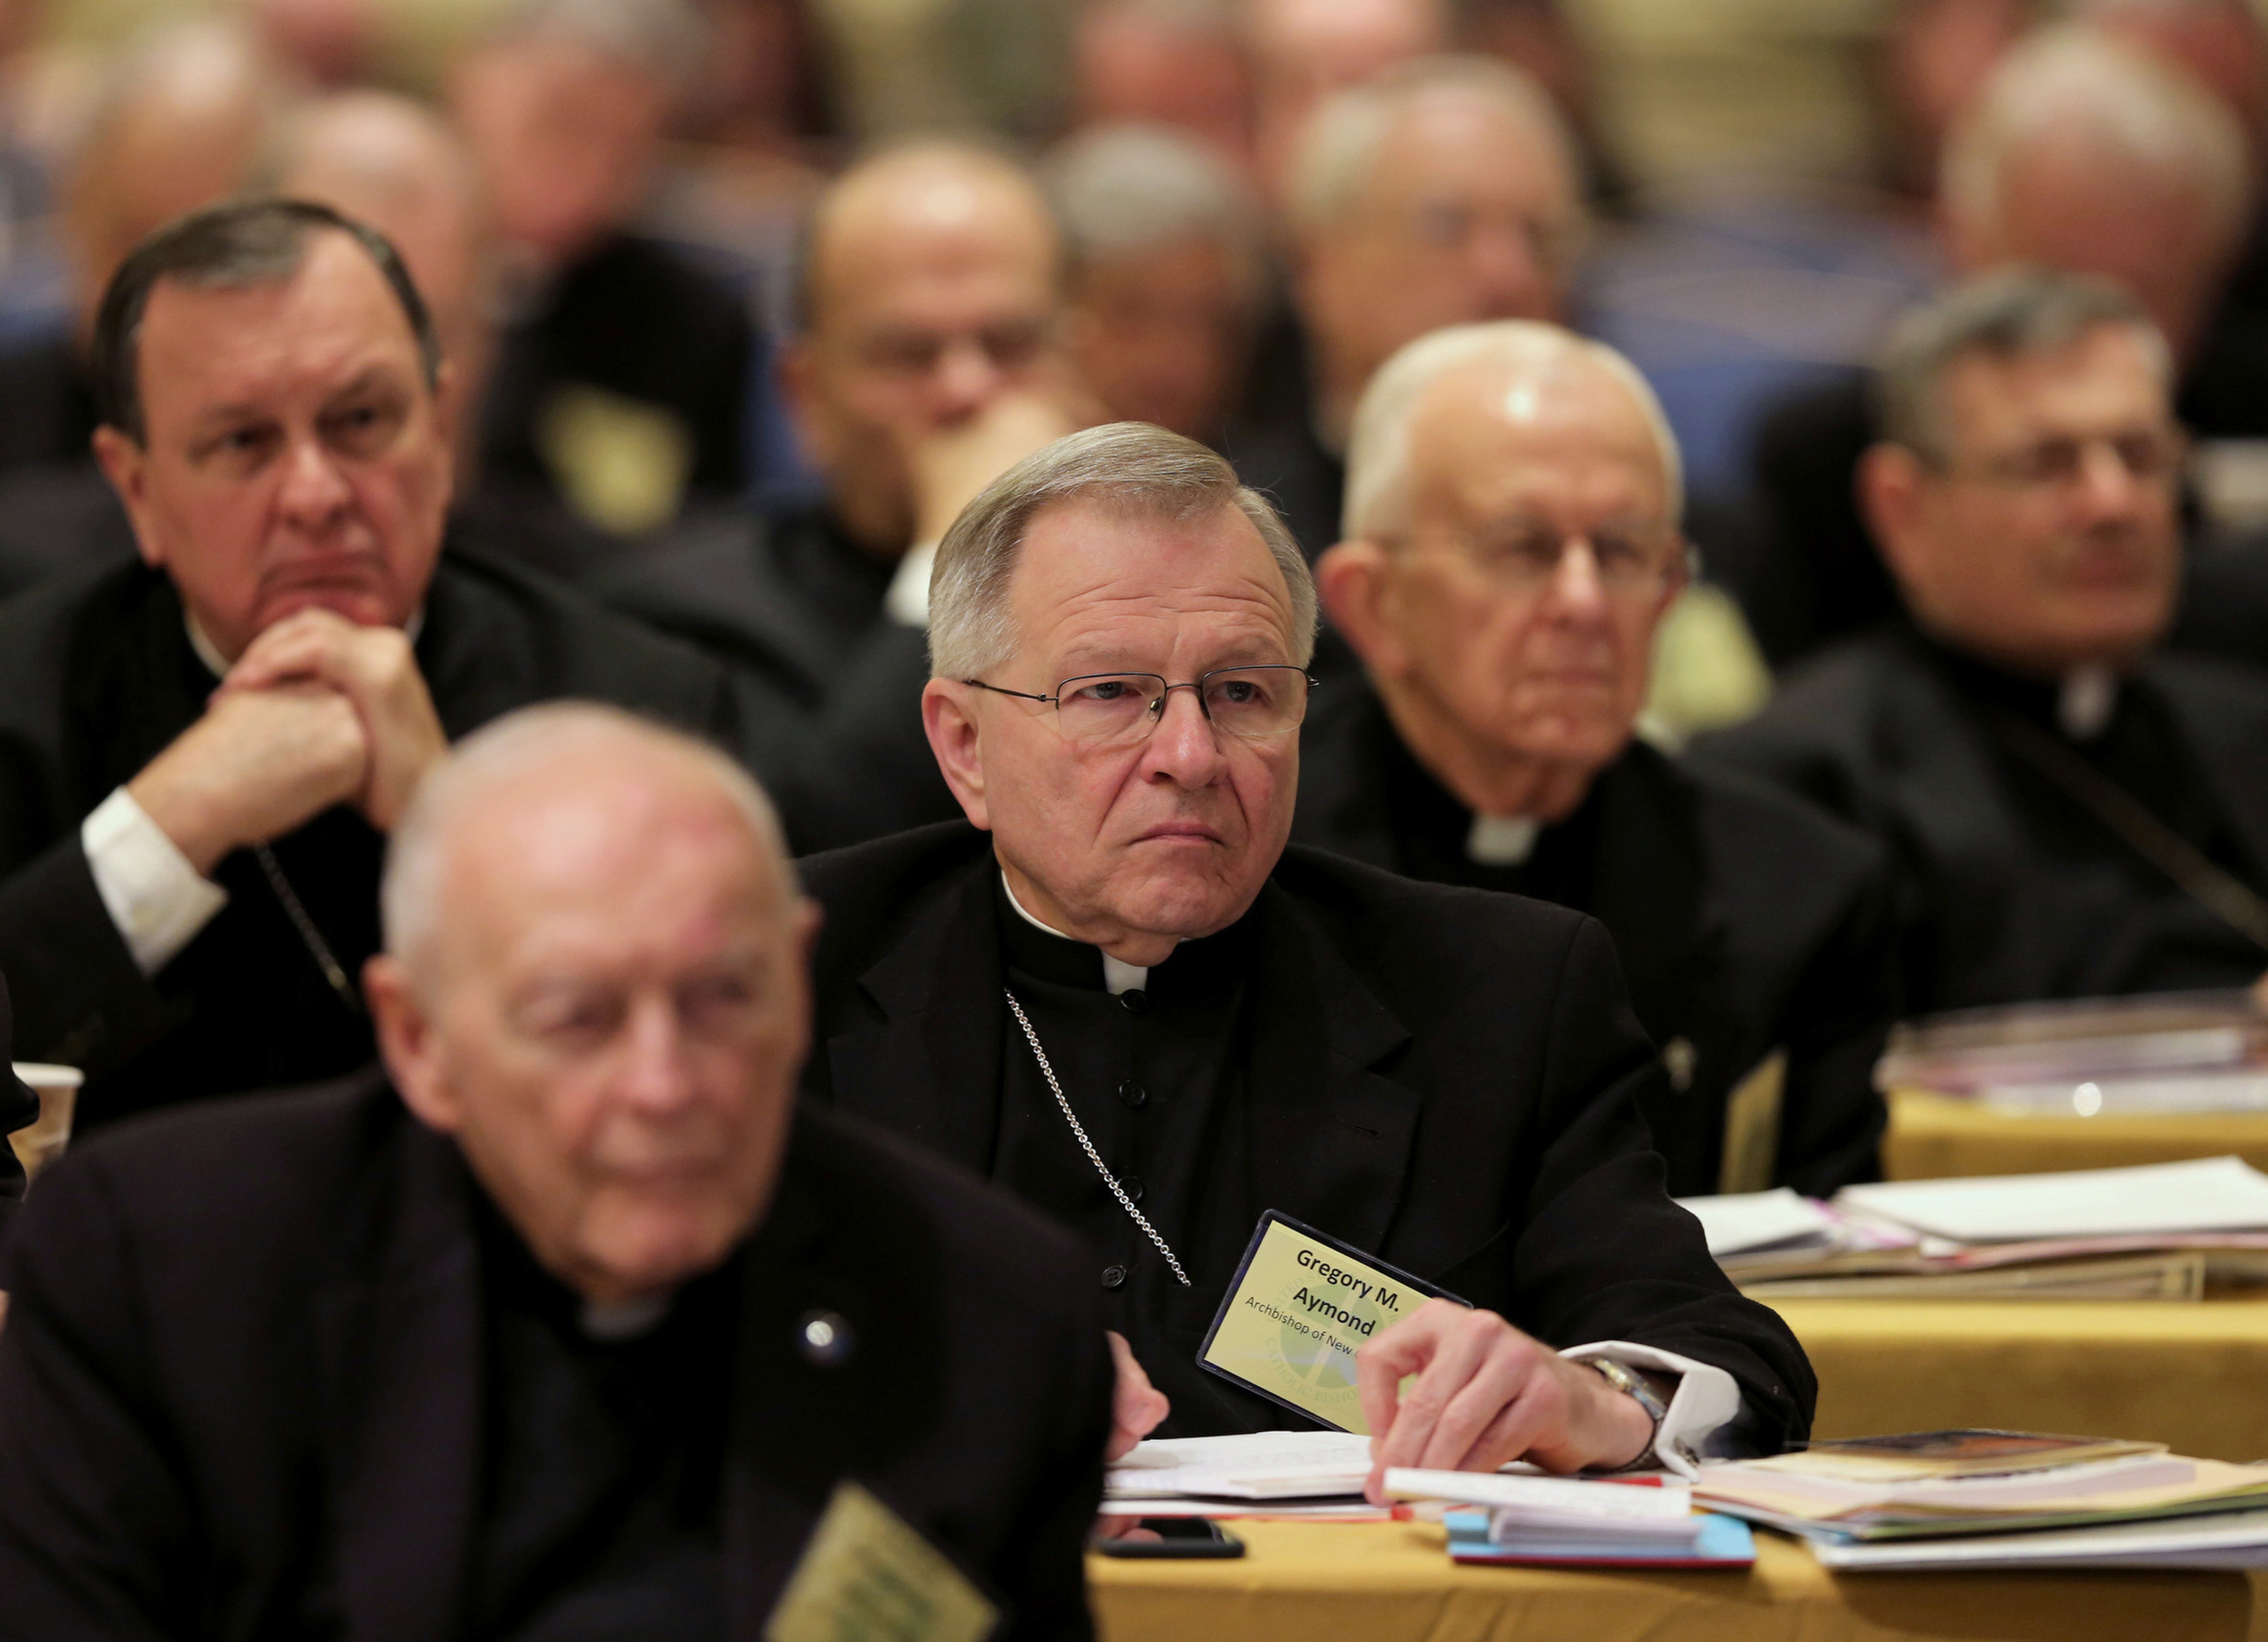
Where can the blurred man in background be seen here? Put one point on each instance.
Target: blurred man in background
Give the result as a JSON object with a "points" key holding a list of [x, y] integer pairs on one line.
{"points": [[1511, 545], [1168, 275], [177, 123], [931, 357], [1179, 63], [2072, 814], [1444, 194], [2085, 156], [623, 376], [1305, 52]]}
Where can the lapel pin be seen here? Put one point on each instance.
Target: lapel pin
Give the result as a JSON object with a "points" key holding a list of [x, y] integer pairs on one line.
{"points": [[824, 1338]]}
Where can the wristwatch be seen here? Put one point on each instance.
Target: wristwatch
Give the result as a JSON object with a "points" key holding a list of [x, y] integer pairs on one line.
{"points": [[1634, 1386]]}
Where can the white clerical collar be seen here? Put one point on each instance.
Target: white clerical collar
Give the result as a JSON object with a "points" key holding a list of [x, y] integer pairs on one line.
{"points": [[1502, 840], [215, 663], [2085, 702], [1119, 977], [624, 1319]]}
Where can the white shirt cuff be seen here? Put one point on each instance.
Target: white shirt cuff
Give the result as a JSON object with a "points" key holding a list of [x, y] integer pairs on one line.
{"points": [[155, 898], [1707, 1402], [908, 598]]}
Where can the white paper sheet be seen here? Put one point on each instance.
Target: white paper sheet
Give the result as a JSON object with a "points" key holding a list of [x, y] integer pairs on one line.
{"points": [[1739, 1221], [2237, 1539], [1267, 1465], [2206, 1195]]}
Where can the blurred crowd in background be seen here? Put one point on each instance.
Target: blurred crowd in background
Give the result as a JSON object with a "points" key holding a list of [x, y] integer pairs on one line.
{"points": [[1253, 204]]}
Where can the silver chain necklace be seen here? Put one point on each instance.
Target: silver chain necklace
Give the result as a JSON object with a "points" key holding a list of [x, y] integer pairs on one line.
{"points": [[333, 970], [1087, 1145]]}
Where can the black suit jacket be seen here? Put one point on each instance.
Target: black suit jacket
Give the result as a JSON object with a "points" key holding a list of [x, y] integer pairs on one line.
{"points": [[19, 1108], [242, 1383], [1444, 1077], [641, 319], [1746, 922], [2009, 891], [96, 677], [795, 609]]}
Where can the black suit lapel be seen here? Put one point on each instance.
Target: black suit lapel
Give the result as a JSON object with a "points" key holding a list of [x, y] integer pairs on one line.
{"points": [[398, 1345], [931, 1069], [1331, 1135], [2226, 748], [1652, 884]]}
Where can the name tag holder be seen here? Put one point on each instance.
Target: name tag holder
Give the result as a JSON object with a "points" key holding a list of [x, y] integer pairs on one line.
{"points": [[1300, 1306]]}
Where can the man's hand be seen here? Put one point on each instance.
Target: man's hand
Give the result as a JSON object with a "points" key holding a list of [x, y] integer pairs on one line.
{"points": [[1485, 1395], [376, 670], [257, 765], [1136, 1405], [949, 466]]}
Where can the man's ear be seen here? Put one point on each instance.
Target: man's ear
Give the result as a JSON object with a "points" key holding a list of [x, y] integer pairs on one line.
{"points": [[1891, 484], [126, 466], [1353, 580], [949, 719], [406, 1043]]}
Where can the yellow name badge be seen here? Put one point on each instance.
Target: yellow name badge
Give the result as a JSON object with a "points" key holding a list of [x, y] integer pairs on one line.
{"points": [[869, 1576], [1301, 1305]]}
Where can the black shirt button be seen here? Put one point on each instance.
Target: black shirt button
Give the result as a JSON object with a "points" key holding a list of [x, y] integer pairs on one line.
{"points": [[1114, 1276], [1135, 1001], [1132, 1185], [1133, 1095]]}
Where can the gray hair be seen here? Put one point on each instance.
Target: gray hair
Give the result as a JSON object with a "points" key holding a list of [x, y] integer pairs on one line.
{"points": [[2011, 314], [667, 39], [409, 895], [1378, 448], [2076, 81], [1339, 149], [1121, 188], [1131, 468]]}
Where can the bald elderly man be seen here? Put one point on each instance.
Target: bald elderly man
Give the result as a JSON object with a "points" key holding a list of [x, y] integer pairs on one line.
{"points": [[930, 356], [565, 1324], [1113, 990], [1511, 544], [1445, 193]]}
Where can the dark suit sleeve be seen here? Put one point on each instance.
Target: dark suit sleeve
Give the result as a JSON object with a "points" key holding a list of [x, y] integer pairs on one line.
{"points": [[1605, 1255], [1046, 1580], [18, 1109], [1831, 1115], [95, 1531], [79, 997]]}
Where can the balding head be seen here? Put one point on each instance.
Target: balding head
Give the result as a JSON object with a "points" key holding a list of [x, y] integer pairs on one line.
{"points": [[594, 979], [176, 125], [2086, 156], [931, 286], [401, 168], [1513, 542], [1444, 195]]}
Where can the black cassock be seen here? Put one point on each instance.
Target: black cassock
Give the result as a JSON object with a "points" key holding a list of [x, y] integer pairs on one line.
{"points": [[272, 1368], [1745, 921], [2011, 887], [96, 676], [1446, 1077]]}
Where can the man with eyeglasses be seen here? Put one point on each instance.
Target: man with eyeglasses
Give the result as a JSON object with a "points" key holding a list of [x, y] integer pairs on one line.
{"points": [[1510, 546], [2074, 814], [1116, 993]]}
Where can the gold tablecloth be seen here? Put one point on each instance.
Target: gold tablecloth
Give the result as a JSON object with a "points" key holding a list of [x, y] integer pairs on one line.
{"points": [[1931, 1136], [2191, 1376], [1393, 1582]]}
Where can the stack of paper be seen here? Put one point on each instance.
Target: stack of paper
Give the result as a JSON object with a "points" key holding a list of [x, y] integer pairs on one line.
{"points": [[1930, 1488], [2159, 1232], [1273, 1466], [1648, 1522]]}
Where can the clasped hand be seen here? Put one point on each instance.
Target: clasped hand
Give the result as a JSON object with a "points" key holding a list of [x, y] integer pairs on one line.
{"points": [[317, 711]]}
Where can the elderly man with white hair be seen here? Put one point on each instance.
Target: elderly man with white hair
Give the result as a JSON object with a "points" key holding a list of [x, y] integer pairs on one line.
{"points": [[1511, 544], [1445, 192], [565, 1323], [1283, 1097]]}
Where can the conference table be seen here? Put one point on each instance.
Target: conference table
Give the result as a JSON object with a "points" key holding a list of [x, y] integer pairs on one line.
{"points": [[1934, 1135], [1394, 1582]]}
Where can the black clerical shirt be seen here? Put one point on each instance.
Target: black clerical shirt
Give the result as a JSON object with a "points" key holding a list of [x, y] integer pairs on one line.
{"points": [[1156, 1076], [602, 1460]]}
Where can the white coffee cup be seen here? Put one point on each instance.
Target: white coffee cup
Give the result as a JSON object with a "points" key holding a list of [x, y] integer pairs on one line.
{"points": [[57, 1087]]}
